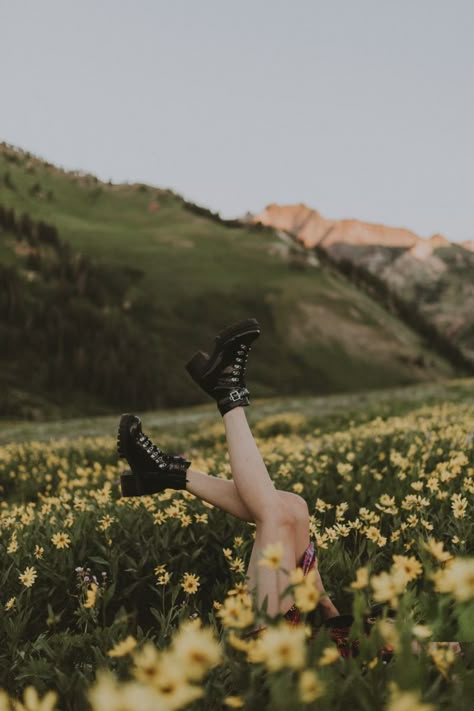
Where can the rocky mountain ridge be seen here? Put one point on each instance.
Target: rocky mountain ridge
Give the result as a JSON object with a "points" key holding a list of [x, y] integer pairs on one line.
{"points": [[433, 276]]}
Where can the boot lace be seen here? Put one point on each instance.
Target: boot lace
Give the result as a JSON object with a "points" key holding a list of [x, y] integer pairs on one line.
{"points": [[240, 363], [152, 450]]}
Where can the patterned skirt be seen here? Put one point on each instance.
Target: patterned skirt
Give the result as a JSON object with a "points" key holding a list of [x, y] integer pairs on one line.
{"points": [[307, 562]]}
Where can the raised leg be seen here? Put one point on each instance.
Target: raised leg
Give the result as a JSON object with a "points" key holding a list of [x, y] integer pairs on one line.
{"points": [[291, 514], [275, 521], [223, 494], [279, 522]]}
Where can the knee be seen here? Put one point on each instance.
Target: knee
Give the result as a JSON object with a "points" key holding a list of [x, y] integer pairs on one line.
{"points": [[279, 511], [298, 506]]}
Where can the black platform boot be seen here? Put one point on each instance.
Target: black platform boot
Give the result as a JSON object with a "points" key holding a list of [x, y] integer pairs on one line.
{"points": [[221, 375], [152, 470]]}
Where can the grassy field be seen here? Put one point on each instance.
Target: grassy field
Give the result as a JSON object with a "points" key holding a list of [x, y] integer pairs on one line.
{"points": [[322, 333], [153, 589]]}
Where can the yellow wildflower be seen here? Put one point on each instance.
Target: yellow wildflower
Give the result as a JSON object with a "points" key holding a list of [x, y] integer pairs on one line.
{"points": [[296, 576], [388, 586], [406, 701], [190, 583], [107, 693], [436, 548], [307, 597], [236, 611], [410, 565], [146, 663], [61, 540], [272, 555], [159, 517], [362, 579], [105, 522], [282, 646], [237, 565], [422, 631], [10, 604], [91, 596], [457, 577], [122, 648], [196, 648], [329, 656], [458, 505], [310, 686], [13, 545], [242, 645], [28, 577], [32, 701]]}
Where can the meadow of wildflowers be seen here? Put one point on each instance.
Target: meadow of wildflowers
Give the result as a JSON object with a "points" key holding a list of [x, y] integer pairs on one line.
{"points": [[140, 603]]}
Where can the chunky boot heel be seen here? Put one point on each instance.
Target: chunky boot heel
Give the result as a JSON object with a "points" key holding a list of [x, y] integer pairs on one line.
{"points": [[197, 366], [128, 484], [221, 374], [152, 470]]}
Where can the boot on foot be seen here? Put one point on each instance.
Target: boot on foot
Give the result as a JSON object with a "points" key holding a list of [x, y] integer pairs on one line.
{"points": [[222, 374], [152, 470]]}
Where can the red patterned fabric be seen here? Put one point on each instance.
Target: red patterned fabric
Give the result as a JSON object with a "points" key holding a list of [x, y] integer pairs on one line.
{"points": [[307, 562]]}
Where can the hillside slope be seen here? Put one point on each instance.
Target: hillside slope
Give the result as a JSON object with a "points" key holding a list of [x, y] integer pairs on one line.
{"points": [[189, 274]]}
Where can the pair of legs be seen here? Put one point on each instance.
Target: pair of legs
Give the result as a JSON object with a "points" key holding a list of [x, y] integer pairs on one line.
{"points": [[278, 515]]}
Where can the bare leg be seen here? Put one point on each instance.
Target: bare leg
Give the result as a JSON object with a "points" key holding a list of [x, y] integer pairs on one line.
{"points": [[278, 526], [275, 521], [225, 495]]}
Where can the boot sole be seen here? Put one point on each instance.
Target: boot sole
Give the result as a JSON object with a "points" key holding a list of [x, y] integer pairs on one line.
{"points": [[124, 433], [201, 365], [129, 484]]}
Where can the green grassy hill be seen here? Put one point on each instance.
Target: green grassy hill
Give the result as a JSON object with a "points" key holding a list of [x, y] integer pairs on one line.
{"points": [[173, 274]]}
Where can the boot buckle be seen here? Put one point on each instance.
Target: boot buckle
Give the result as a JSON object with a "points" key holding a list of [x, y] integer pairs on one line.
{"points": [[235, 395]]}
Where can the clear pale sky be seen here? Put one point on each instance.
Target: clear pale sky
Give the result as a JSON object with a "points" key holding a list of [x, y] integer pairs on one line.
{"points": [[360, 109]]}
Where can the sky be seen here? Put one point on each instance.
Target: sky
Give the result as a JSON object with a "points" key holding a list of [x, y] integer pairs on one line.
{"points": [[360, 109]]}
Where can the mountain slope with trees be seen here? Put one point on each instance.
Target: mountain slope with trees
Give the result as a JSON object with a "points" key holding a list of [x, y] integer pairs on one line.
{"points": [[106, 291]]}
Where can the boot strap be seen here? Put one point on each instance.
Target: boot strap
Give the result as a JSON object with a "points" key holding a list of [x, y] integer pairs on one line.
{"points": [[235, 395]]}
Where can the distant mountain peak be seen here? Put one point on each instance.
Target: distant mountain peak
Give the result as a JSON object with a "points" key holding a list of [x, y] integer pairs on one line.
{"points": [[313, 229]]}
